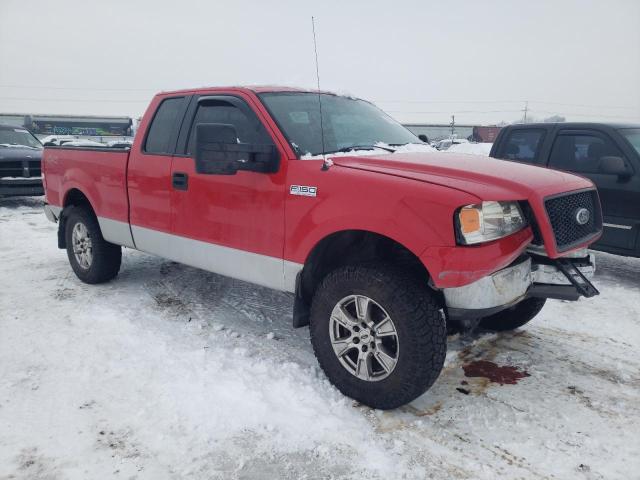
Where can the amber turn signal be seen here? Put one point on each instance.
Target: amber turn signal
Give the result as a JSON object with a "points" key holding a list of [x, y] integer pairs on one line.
{"points": [[469, 220]]}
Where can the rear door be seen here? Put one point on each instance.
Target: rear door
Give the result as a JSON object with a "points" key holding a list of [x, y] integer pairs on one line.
{"points": [[581, 151], [228, 224], [149, 176]]}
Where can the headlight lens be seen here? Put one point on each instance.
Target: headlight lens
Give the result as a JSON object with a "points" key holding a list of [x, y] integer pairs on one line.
{"points": [[488, 221]]}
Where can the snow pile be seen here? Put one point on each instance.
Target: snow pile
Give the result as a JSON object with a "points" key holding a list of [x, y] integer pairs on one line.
{"points": [[382, 149], [170, 372], [471, 148]]}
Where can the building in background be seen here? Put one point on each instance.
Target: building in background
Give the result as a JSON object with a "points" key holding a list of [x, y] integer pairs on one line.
{"points": [[437, 132], [80, 126], [485, 134]]}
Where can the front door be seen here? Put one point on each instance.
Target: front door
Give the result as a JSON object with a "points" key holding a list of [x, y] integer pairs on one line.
{"points": [[229, 224]]}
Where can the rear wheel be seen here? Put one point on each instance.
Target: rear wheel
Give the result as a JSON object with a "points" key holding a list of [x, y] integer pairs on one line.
{"points": [[378, 334], [514, 317], [92, 258]]}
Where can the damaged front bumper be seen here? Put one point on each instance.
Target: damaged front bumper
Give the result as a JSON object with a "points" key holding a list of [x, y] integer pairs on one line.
{"points": [[529, 276]]}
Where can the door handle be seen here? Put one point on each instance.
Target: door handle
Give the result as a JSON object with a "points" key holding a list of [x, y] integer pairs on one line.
{"points": [[180, 181]]}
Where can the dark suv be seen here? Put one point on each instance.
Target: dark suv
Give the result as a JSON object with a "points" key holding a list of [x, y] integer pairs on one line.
{"points": [[20, 161], [608, 154]]}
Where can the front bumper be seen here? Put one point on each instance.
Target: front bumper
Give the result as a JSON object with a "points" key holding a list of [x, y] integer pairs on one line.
{"points": [[21, 186], [528, 276]]}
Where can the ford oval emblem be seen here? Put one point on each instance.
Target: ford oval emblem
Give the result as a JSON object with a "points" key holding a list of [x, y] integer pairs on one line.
{"points": [[582, 216]]}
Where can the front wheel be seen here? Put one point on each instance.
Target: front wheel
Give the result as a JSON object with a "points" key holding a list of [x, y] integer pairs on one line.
{"points": [[378, 334], [92, 258], [514, 317]]}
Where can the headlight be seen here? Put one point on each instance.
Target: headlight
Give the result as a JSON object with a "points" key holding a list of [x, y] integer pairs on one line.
{"points": [[488, 221]]}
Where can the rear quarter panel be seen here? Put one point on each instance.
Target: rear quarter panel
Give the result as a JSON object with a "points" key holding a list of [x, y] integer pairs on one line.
{"points": [[99, 174]]}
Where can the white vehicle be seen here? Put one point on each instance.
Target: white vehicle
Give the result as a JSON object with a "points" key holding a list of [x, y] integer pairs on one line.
{"points": [[81, 142], [447, 142], [120, 144], [471, 148], [57, 139]]}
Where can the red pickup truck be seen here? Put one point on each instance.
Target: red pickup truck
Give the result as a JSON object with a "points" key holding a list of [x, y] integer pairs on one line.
{"points": [[382, 241]]}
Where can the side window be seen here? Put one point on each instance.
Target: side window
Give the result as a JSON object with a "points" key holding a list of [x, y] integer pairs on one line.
{"points": [[581, 152], [162, 126], [248, 128], [524, 145]]}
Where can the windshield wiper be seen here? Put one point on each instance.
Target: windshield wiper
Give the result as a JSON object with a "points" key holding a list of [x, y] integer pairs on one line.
{"points": [[361, 147]]}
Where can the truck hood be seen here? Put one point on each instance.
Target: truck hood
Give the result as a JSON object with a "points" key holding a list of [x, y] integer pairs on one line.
{"points": [[19, 154], [485, 177]]}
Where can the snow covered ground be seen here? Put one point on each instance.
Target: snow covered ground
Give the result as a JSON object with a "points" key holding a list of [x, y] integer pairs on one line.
{"points": [[169, 372], [471, 148]]}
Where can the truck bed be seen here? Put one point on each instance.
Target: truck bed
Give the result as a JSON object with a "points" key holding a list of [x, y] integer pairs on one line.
{"points": [[99, 173]]}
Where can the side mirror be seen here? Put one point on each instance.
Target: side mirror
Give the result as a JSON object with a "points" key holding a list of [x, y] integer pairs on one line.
{"points": [[49, 144], [424, 138], [219, 153], [614, 166]]}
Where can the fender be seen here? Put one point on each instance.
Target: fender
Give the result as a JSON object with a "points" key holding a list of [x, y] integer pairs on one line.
{"points": [[414, 214]]}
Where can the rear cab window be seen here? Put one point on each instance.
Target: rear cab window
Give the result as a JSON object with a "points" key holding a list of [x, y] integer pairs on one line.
{"points": [[163, 129], [524, 145]]}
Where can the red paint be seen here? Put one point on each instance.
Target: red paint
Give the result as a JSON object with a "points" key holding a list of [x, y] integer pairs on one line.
{"points": [[410, 198], [505, 375]]}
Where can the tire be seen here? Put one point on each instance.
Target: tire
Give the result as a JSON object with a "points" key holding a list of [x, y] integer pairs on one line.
{"points": [[103, 260], [413, 355], [513, 317]]}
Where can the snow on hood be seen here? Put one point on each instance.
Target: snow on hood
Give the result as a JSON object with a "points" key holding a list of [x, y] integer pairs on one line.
{"points": [[409, 147]]}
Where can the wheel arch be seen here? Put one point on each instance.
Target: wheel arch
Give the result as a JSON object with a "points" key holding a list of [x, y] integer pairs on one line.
{"points": [[349, 247], [73, 197]]}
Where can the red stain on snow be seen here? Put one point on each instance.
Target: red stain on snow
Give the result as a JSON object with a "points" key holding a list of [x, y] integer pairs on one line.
{"points": [[505, 375]]}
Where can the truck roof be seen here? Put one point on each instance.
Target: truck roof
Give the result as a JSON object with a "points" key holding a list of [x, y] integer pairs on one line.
{"points": [[248, 88], [577, 125]]}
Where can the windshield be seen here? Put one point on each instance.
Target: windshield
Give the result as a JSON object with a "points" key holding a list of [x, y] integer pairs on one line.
{"points": [[19, 137], [633, 137], [347, 122]]}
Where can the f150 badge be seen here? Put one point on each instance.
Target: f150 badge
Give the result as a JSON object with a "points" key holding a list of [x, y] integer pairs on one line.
{"points": [[303, 190]]}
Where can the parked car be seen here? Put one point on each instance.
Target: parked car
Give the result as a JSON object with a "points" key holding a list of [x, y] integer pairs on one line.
{"points": [[81, 142], [381, 241], [51, 140], [120, 144], [20, 160], [448, 142], [607, 154]]}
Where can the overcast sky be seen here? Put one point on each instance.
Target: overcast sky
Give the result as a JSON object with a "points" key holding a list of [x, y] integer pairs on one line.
{"points": [[419, 60]]}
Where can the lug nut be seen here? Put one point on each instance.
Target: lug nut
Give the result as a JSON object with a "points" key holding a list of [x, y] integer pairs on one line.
{"points": [[356, 340], [364, 348]]}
